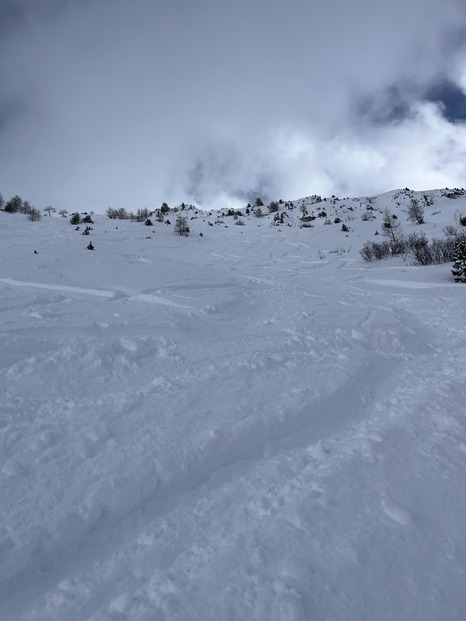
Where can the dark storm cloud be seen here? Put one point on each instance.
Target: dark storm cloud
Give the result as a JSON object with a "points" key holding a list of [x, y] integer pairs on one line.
{"points": [[387, 106], [135, 103]]}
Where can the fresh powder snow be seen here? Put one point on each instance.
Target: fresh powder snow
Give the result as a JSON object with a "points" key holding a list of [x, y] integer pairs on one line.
{"points": [[252, 424]]}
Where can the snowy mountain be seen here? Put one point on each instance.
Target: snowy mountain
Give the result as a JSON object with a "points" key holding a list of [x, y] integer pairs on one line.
{"points": [[247, 423]]}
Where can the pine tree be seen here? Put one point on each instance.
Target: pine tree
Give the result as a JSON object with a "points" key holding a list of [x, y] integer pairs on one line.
{"points": [[14, 205], [459, 257]]}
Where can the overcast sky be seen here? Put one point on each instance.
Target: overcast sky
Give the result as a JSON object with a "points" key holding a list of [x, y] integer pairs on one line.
{"points": [[132, 103]]}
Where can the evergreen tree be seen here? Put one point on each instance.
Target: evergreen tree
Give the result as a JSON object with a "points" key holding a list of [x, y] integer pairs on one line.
{"points": [[14, 205], [459, 257]]}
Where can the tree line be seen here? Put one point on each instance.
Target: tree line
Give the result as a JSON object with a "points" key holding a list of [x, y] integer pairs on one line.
{"points": [[17, 205]]}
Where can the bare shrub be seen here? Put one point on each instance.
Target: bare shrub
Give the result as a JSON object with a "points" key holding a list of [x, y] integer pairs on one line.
{"points": [[419, 249], [375, 251], [450, 230], [443, 250], [391, 226], [416, 212], [367, 252], [34, 214]]}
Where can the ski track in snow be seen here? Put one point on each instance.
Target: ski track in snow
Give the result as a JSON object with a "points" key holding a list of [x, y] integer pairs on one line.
{"points": [[17, 283], [228, 429]]}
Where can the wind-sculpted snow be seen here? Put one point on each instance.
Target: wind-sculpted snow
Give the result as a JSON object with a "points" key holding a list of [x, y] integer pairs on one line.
{"points": [[243, 425]]}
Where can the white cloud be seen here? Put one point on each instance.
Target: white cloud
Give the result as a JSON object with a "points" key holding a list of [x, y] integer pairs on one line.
{"points": [[121, 103]]}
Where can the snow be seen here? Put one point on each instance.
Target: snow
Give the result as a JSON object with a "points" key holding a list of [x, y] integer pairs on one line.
{"points": [[248, 424]]}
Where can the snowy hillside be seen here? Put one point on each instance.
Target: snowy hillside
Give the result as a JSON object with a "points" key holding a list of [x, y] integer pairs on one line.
{"points": [[247, 423]]}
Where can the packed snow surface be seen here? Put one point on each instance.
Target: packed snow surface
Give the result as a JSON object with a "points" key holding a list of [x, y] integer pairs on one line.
{"points": [[251, 424]]}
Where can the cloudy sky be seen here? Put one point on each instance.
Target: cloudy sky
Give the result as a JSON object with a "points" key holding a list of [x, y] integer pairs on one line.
{"points": [[132, 103]]}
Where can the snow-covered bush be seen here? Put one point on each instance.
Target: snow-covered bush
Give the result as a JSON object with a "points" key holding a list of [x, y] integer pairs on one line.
{"points": [[34, 214], [181, 226], [140, 216], [75, 218], [117, 214]]}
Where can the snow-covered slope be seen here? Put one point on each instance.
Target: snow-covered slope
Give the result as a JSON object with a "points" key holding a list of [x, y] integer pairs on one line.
{"points": [[251, 423]]}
